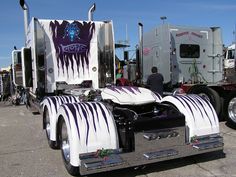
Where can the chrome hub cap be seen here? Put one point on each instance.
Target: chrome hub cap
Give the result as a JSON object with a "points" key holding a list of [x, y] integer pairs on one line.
{"points": [[65, 142], [47, 125]]}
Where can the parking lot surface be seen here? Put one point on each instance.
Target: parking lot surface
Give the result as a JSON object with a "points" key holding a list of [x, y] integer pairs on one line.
{"points": [[24, 152]]}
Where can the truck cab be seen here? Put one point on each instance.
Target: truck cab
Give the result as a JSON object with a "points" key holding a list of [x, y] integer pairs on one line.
{"points": [[229, 63]]}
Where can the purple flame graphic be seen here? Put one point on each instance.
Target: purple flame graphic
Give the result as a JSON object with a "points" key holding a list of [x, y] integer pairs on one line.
{"points": [[72, 42], [120, 89]]}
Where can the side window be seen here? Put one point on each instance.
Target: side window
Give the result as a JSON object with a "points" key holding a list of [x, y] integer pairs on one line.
{"points": [[189, 51], [17, 68], [230, 54], [28, 67]]}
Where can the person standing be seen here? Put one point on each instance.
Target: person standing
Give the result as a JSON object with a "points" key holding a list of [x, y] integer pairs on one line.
{"points": [[155, 81]]}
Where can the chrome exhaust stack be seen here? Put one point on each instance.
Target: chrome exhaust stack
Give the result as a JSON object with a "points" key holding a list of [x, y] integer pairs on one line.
{"points": [[141, 51], [25, 8], [90, 12]]}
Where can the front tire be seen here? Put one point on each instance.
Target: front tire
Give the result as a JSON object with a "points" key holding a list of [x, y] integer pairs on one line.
{"points": [[65, 148]]}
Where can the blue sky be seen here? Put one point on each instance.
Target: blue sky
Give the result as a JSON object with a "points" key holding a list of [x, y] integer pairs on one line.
{"points": [[199, 13]]}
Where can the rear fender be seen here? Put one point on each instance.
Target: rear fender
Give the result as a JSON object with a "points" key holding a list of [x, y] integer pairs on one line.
{"points": [[200, 116], [90, 127], [52, 104]]}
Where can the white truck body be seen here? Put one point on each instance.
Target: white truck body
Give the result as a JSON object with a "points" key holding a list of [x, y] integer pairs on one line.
{"points": [[60, 52]]}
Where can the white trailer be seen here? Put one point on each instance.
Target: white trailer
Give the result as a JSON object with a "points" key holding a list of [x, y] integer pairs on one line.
{"points": [[192, 58], [69, 69]]}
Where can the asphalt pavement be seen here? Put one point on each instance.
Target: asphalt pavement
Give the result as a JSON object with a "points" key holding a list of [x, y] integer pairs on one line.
{"points": [[24, 152]]}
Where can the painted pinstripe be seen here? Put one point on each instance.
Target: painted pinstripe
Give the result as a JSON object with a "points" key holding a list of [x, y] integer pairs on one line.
{"points": [[73, 112], [95, 107], [89, 139], [203, 114], [120, 89], [73, 98], [85, 108], [199, 99], [86, 119], [78, 108], [181, 101], [67, 99], [63, 98], [196, 99], [212, 110], [113, 89], [66, 111], [48, 99], [130, 89], [187, 98], [208, 105], [104, 115], [157, 97], [207, 114], [136, 89], [53, 103], [193, 102], [92, 113], [70, 99], [59, 101]]}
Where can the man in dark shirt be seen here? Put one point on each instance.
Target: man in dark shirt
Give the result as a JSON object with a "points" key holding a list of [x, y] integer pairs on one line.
{"points": [[155, 81]]}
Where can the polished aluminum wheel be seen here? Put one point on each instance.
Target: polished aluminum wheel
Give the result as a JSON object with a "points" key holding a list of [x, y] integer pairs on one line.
{"points": [[65, 142], [232, 109]]}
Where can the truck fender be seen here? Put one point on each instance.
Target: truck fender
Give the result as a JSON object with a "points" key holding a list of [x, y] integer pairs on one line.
{"points": [[157, 97], [200, 116], [52, 104], [90, 127], [129, 95]]}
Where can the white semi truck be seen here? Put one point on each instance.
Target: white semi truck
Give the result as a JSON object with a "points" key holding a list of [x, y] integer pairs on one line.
{"points": [[192, 58], [68, 68]]}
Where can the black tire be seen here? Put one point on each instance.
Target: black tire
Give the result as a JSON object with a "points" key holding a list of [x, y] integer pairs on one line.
{"points": [[230, 109], [211, 94], [72, 170], [52, 144]]}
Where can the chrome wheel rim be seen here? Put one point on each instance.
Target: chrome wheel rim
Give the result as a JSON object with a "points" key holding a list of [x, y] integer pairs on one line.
{"points": [[232, 109], [48, 127], [65, 142]]}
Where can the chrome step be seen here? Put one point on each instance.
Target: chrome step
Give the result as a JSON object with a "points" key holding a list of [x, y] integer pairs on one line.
{"points": [[112, 160], [208, 145], [160, 154]]}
